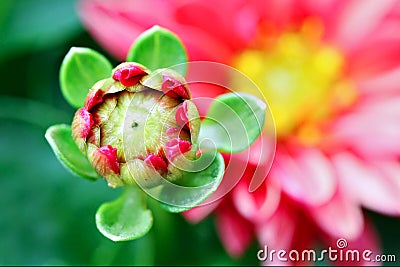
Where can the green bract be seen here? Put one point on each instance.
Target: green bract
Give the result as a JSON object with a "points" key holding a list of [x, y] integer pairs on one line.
{"points": [[137, 127], [81, 68], [159, 48], [59, 137], [234, 121], [125, 218]]}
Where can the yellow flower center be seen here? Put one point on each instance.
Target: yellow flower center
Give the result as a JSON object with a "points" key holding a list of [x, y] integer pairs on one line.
{"points": [[302, 80]]}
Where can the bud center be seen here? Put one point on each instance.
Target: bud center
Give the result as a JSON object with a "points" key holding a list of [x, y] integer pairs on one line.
{"points": [[148, 117]]}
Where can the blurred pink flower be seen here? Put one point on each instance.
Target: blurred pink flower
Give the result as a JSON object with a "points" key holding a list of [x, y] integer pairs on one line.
{"points": [[330, 71]]}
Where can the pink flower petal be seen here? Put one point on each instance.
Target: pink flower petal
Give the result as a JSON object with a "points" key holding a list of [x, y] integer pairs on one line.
{"points": [[341, 217], [384, 84], [259, 205], [370, 134], [370, 59], [368, 240], [206, 81], [209, 19], [261, 155], [321, 9], [391, 170], [385, 106], [358, 19], [309, 177], [198, 213], [235, 232], [117, 24], [366, 185], [279, 12], [279, 230], [203, 95]]}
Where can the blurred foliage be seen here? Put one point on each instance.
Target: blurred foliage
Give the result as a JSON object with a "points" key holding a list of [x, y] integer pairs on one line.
{"points": [[27, 25], [47, 214]]}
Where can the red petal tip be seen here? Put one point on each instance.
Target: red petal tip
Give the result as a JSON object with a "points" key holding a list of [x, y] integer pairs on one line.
{"points": [[129, 75], [181, 116], [176, 147], [106, 159], [93, 98], [174, 88], [82, 123], [157, 162]]}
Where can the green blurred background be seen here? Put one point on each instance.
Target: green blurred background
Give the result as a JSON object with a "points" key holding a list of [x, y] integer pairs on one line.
{"points": [[47, 214]]}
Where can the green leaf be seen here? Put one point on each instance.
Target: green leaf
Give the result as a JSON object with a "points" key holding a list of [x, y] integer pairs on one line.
{"points": [[159, 48], [233, 122], [126, 218], [194, 187], [60, 139], [80, 70]]}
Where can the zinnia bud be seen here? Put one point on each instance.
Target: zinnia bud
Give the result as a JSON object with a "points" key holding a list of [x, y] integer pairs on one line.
{"points": [[133, 131]]}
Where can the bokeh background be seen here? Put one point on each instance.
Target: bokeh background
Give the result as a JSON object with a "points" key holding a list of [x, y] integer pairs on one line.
{"points": [[47, 214]]}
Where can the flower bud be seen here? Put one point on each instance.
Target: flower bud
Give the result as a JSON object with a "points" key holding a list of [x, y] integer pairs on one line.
{"points": [[132, 129]]}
